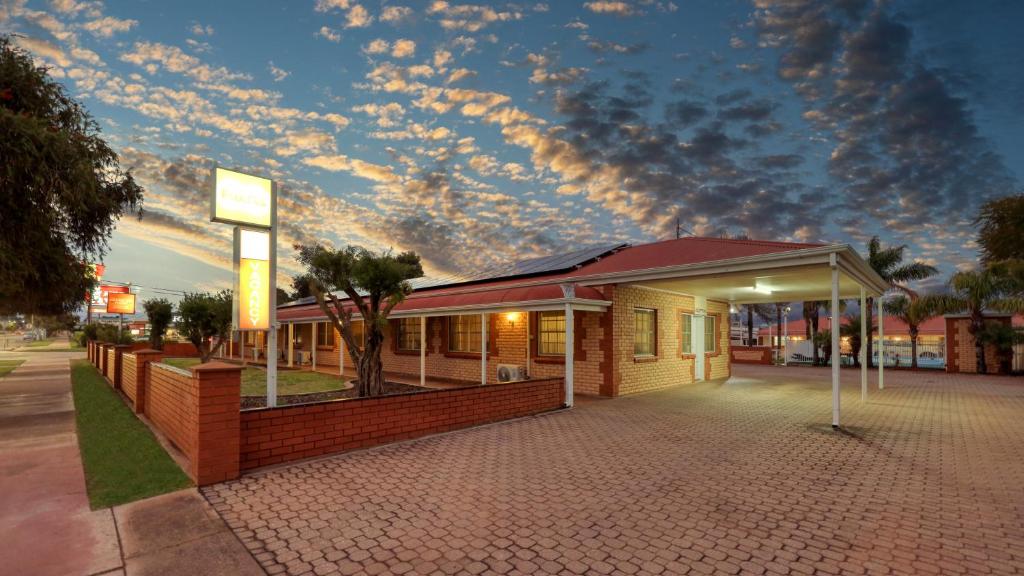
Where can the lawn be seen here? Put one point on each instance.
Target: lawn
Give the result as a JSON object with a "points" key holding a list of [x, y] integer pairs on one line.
{"points": [[123, 460], [254, 380], [39, 343], [6, 366]]}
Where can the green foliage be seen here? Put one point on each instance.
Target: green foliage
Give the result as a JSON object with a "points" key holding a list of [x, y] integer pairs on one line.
{"points": [[851, 329], [975, 292], [375, 283], [1003, 338], [204, 318], [159, 312], [1001, 229], [300, 286], [123, 461], [62, 191], [98, 332]]}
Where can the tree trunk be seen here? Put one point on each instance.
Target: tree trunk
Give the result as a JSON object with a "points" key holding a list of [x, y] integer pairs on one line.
{"points": [[870, 318], [913, 349], [814, 334], [370, 367], [750, 326]]}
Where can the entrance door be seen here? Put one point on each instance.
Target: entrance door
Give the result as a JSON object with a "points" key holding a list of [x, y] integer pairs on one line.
{"points": [[697, 332]]}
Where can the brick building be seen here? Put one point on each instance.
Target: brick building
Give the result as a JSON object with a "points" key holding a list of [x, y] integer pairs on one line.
{"points": [[610, 320]]}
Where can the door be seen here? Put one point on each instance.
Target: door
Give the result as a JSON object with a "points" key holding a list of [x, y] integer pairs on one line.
{"points": [[697, 331]]}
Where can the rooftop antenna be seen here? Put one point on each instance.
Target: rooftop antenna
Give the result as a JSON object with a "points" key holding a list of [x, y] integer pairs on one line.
{"points": [[680, 229]]}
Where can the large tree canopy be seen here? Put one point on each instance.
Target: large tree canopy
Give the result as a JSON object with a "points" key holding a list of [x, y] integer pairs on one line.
{"points": [[206, 321], [1001, 229], [61, 191]]}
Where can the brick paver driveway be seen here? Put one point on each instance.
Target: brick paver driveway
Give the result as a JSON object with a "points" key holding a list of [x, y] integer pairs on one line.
{"points": [[743, 476]]}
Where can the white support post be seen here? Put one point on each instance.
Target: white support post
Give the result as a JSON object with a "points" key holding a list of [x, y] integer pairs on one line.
{"points": [[881, 344], [423, 351], [483, 349], [272, 296], [340, 342], [528, 370], [569, 348], [785, 340], [835, 341], [313, 343], [241, 346], [231, 341], [291, 345], [863, 346]]}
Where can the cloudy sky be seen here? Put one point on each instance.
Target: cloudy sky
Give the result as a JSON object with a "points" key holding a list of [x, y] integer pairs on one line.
{"points": [[477, 133]]}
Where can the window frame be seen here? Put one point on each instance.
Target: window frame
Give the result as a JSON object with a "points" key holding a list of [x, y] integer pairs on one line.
{"points": [[637, 313], [541, 332], [713, 340], [401, 326], [686, 327], [328, 340], [453, 321]]}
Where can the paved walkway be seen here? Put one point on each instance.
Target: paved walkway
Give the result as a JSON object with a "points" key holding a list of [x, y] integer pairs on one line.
{"points": [[743, 476], [46, 526]]}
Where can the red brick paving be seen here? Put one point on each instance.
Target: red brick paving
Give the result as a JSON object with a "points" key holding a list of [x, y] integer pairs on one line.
{"points": [[740, 477]]}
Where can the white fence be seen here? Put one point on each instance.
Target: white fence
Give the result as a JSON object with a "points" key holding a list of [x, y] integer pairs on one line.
{"points": [[897, 353]]}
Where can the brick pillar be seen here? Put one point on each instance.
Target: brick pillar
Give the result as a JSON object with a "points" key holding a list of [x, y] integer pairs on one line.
{"points": [[115, 374], [102, 365], [142, 360], [217, 388]]}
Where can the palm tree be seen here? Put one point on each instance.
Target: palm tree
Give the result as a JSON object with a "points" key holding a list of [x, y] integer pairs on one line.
{"points": [[811, 319], [763, 311], [913, 311], [1003, 338], [823, 341], [975, 292], [888, 263], [851, 330]]}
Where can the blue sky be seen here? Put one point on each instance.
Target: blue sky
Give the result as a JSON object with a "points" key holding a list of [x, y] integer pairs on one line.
{"points": [[475, 133]]}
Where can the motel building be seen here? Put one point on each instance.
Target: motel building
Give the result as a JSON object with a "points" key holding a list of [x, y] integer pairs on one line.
{"points": [[611, 320]]}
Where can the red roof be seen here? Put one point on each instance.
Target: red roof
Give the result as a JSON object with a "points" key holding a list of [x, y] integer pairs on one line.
{"points": [[429, 300], [676, 252]]}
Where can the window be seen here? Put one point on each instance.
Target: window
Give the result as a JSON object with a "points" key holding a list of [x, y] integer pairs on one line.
{"points": [[551, 333], [644, 336], [464, 333], [687, 333], [324, 334], [408, 337], [710, 333]]}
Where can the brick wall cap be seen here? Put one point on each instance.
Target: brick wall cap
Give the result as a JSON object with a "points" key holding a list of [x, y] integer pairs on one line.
{"points": [[217, 366], [147, 351], [122, 346]]}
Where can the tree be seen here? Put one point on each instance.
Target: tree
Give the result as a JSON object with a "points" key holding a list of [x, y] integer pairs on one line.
{"points": [[1000, 225], [205, 319], [375, 283], [913, 311], [159, 313], [763, 312], [974, 292], [63, 191], [282, 296], [823, 340], [851, 330], [888, 263], [811, 309], [300, 286], [1002, 338]]}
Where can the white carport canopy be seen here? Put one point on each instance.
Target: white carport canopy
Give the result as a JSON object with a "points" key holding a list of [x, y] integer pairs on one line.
{"points": [[828, 273]]}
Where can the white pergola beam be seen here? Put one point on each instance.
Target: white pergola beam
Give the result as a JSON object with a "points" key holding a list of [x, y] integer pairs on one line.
{"points": [[423, 351], [569, 348], [863, 345], [881, 345]]}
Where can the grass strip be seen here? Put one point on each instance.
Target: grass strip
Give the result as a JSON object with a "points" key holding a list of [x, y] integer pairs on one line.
{"points": [[123, 460]]}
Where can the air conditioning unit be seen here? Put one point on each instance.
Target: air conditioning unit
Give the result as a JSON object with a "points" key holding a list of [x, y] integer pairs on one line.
{"points": [[511, 373]]}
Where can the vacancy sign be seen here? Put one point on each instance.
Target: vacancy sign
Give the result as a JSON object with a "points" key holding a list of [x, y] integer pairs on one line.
{"points": [[120, 303], [240, 198], [253, 302]]}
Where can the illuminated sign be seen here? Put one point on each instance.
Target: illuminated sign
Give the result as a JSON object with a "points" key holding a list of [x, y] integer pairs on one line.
{"points": [[253, 302], [241, 199], [101, 294], [120, 303]]}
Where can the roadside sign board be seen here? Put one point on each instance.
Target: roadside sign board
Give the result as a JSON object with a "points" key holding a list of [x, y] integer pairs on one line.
{"points": [[240, 198], [120, 303]]}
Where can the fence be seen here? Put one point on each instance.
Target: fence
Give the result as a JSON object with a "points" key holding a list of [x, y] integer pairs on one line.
{"points": [[897, 353], [198, 412]]}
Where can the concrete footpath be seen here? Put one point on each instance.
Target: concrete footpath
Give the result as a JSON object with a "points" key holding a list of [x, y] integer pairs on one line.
{"points": [[46, 526]]}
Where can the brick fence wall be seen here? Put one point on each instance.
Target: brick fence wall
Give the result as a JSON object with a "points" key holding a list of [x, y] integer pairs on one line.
{"points": [[133, 376], [961, 355], [275, 435], [751, 354]]}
